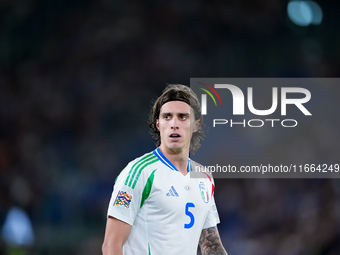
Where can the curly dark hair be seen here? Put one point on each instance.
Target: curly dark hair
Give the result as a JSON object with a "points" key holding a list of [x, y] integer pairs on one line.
{"points": [[177, 92]]}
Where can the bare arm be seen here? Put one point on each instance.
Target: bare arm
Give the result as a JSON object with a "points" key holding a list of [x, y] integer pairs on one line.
{"points": [[116, 234], [210, 242]]}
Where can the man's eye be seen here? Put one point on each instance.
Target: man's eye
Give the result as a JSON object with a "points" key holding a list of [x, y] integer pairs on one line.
{"points": [[167, 117], [184, 117]]}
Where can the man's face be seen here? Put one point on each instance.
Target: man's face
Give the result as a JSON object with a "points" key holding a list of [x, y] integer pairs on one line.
{"points": [[174, 126]]}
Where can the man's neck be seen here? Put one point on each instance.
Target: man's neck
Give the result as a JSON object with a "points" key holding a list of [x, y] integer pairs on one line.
{"points": [[178, 158]]}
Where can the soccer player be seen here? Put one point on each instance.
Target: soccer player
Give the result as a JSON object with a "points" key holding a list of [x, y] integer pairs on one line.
{"points": [[156, 208]]}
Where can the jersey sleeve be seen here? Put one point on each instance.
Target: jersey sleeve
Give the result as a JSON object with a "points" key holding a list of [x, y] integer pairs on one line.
{"points": [[212, 217], [126, 196]]}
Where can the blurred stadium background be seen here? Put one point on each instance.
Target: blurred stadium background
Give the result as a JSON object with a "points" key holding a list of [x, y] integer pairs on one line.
{"points": [[77, 79]]}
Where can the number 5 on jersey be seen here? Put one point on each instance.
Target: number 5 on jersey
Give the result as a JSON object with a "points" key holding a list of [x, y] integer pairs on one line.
{"points": [[187, 212]]}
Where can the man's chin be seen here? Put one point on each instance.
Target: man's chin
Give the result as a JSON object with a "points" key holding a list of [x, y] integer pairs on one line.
{"points": [[177, 149]]}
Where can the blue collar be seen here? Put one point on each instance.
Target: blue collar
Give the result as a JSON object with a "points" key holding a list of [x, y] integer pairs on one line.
{"points": [[167, 162]]}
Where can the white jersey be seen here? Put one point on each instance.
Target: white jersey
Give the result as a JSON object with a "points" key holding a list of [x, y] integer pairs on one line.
{"points": [[167, 210]]}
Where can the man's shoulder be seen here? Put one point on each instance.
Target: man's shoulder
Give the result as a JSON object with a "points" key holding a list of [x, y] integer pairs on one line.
{"points": [[202, 173], [139, 168], [200, 170], [143, 161], [195, 165]]}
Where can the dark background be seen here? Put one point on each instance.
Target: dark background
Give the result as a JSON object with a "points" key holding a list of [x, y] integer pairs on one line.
{"points": [[77, 79]]}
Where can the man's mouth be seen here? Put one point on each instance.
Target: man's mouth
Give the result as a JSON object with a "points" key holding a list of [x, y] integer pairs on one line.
{"points": [[174, 136]]}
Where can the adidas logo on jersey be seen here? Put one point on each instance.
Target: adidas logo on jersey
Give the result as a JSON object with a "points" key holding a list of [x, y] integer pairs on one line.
{"points": [[172, 192]]}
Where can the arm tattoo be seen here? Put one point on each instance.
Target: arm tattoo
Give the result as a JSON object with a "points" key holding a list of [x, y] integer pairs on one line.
{"points": [[210, 242]]}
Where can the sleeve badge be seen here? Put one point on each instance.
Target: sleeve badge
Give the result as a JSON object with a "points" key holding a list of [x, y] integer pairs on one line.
{"points": [[123, 199]]}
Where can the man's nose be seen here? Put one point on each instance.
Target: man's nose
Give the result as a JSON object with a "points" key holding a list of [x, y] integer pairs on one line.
{"points": [[174, 123]]}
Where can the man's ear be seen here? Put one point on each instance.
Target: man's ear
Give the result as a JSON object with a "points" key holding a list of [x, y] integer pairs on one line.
{"points": [[157, 124], [197, 125]]}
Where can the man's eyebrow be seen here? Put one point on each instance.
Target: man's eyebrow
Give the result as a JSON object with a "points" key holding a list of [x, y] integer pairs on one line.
{"points": [[166, 113], [180, 113]]}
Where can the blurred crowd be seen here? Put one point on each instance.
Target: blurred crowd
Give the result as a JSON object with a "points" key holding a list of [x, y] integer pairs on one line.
{"points": [[77, 79]]}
